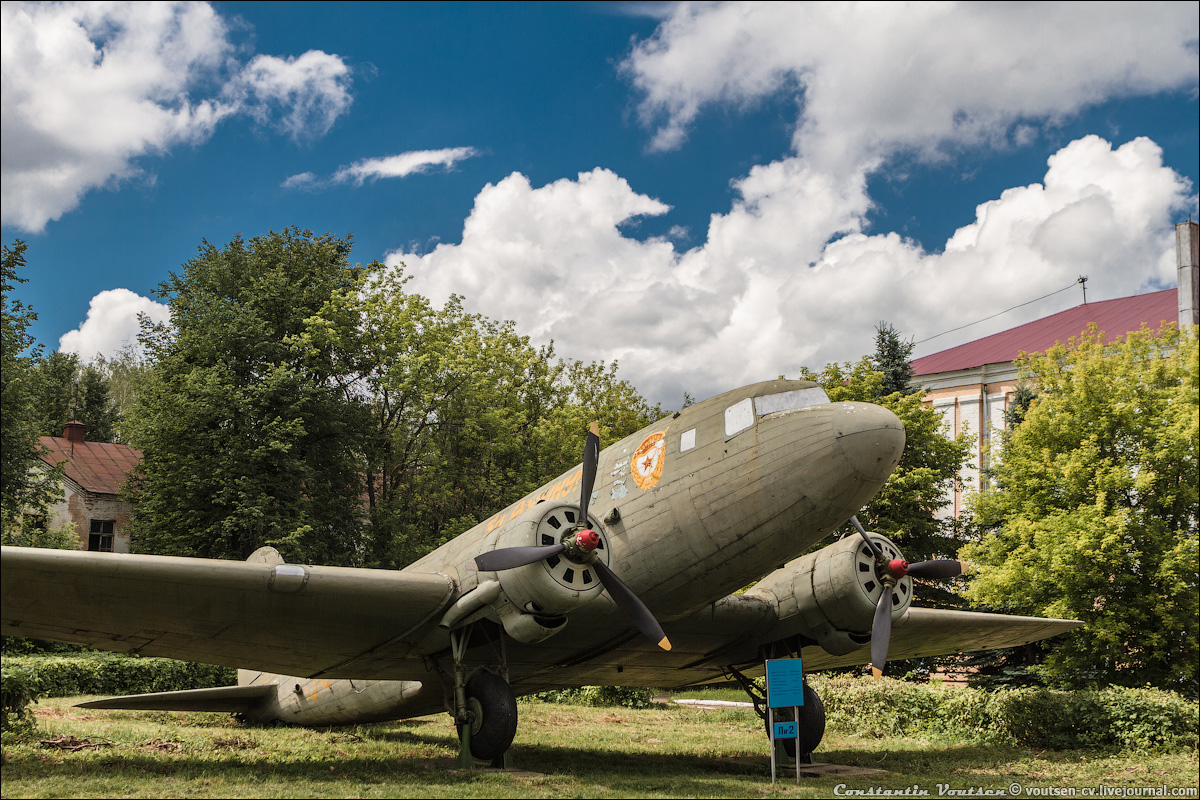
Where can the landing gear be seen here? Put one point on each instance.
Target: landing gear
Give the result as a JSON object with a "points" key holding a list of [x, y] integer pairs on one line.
{"points": [[812, 718], [482, 703], [811, 727], [492, 708]]}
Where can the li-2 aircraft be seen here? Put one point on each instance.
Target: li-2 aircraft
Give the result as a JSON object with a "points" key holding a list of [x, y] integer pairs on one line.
{"points": [[623, 571]]}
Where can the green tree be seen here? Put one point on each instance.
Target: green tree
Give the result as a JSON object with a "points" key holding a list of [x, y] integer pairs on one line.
{"points": [[906, 509], [24, 486], [893, 359], [67, 390], [468, 416], [1094, 511], [124, 374], [249, 421]]}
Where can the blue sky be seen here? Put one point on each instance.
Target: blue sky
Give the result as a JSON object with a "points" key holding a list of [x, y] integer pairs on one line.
{"points": [[731, 192]]}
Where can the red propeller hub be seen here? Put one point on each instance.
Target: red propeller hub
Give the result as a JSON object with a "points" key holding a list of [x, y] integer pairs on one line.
{"points": [[897, 568], [587, 540]]}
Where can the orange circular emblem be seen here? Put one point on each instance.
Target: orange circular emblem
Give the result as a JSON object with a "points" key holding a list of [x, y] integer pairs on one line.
{"points": [[647, 462]]}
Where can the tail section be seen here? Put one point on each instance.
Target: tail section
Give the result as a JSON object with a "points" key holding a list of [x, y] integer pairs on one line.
{"points": [[234, 699]]}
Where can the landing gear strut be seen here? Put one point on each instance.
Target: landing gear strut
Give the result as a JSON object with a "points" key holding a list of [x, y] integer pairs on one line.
{"points": [[484, 706]]}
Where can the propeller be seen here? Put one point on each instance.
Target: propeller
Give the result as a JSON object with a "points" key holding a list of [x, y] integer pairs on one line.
{"points": [[871, 543], [580, 547], [889, 573]]}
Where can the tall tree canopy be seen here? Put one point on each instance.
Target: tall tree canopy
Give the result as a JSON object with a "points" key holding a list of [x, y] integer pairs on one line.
{"points": [[468, 416], [66, 389], [1093, 515], [248, 421], [893, 359], [21, 487], [322, 409]]}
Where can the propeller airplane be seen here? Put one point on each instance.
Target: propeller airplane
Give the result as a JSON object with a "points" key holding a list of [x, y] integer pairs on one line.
{"points": [[636, 583]]}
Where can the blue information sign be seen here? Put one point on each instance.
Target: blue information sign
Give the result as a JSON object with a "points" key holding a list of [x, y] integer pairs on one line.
{"points": [[785, 730], [785, 683]]}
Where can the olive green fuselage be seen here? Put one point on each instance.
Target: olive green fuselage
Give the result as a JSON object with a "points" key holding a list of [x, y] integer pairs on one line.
{"points": [[692, 509]]}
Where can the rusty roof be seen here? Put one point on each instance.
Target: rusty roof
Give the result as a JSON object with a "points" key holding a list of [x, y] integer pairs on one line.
{"points": [[1114, 317], [98, 467]]}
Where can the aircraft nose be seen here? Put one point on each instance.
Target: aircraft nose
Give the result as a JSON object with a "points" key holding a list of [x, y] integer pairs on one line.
{"points": [[871, 439]]}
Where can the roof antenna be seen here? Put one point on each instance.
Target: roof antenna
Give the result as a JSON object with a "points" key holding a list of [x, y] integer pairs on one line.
{"points": [[1083, 282]]}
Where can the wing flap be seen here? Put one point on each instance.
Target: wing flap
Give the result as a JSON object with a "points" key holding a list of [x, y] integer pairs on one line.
{"points": [[285, 618]]}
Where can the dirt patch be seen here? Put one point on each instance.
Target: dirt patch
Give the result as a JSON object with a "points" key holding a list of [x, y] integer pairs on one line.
{"points": [[234, 743], [164, 745], [72, 743]]}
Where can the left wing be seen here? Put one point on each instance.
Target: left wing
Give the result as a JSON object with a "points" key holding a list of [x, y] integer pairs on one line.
{"points": [[287, 618]]}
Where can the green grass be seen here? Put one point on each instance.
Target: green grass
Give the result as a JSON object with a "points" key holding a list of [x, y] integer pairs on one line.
{"points": [[571, 751]]}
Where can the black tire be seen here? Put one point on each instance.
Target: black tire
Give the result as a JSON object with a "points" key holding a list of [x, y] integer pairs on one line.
{"points": [[495, 706], [812, 723]]}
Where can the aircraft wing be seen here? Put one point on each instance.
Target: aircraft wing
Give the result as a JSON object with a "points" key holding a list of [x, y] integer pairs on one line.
{"points": [[925, 632], [288, 618]]}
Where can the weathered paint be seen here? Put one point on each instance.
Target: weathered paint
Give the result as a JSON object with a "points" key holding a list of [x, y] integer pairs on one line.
{"points": [[725, 512]]}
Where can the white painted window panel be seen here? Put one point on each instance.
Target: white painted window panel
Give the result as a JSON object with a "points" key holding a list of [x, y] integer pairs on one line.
{"points": [[739, 417], [787, 401]]}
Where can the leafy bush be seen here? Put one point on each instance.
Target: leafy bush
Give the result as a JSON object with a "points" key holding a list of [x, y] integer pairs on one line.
{"points": [[18, 688], [1117, 717], [16, 646], [625, 696], [113, 674]]}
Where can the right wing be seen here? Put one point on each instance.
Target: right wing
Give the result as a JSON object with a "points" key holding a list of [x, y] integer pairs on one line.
{"points": [[925, 632], [286, 618]]}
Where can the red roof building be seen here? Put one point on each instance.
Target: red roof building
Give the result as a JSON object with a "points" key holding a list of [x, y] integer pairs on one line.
{"points": [[1121, 315], [971, 385], [93, 474]]}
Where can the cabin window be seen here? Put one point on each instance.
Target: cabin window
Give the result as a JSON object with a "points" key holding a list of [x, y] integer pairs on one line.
{"points": [[100, 537], [739, 417], [788, 401]]}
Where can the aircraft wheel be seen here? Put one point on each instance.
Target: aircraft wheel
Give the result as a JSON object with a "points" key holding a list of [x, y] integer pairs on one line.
{"points": [[495, 710], [812, 723]]}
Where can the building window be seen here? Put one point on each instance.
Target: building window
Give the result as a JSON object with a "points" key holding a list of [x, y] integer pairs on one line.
{"points": [[100, 538]]}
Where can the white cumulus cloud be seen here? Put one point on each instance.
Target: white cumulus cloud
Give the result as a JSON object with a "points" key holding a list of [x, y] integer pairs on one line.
{"points": [[872, 78], [302, 96], [111, 324], [89, 88], [768, 292]]}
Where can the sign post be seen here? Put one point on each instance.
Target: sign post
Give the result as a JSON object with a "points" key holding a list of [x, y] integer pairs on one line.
{"points": [[785, 687]]}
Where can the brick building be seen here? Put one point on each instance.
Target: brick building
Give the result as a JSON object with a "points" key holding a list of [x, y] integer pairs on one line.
{"points": [[972, 385], [93, 475]]}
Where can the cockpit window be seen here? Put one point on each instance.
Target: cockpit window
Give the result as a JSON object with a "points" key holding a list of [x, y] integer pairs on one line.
{"points": [[786, 401], [739, 417]]}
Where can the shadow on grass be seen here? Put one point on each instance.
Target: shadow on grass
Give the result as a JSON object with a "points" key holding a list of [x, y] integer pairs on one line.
{"points": [[616, 770]]}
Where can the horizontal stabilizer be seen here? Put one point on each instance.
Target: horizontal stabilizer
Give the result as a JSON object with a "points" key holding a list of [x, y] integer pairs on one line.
{"points": [[234, 699]]}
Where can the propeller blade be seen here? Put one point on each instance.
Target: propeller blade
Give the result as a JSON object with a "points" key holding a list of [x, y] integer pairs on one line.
{"points": [[631, 606], [513, 557], [941, 568], [591, 460], [870, 542], [881, 630]]}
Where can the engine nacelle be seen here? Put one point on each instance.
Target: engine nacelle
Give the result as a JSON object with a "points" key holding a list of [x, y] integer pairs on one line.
{"points": [[537, 596], [835, 590]]}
